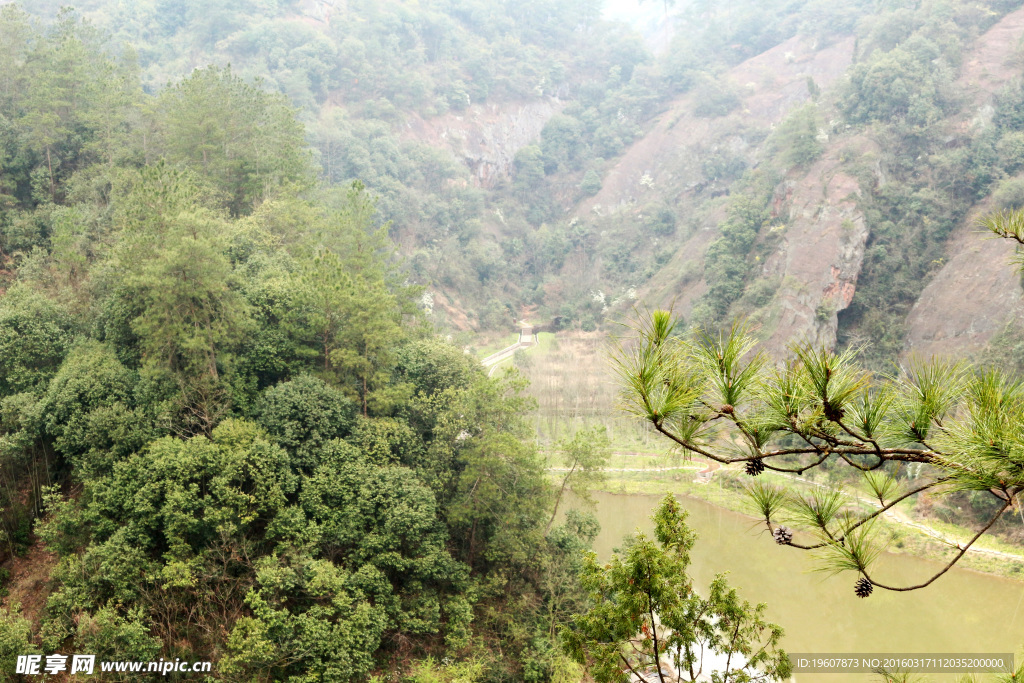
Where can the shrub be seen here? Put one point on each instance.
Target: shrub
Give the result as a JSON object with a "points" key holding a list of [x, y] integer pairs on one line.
{"points": [[714, 97], [304, 414], [661, 221], [591, 183], [1010, 194], [1011, 152], [797, 137]]}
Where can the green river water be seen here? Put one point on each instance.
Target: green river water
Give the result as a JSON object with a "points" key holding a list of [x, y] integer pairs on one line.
{"points": [[962, 612]]}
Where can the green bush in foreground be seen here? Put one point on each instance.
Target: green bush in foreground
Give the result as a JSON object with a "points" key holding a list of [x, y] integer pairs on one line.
{"points": [[645, 614]]}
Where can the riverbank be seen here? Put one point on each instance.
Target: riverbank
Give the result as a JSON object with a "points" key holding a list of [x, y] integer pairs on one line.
{"points": [[901, 534]]}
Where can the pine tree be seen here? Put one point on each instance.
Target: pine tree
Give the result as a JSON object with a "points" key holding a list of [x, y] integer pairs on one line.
{"points": [[188, 314], [246, 142]]}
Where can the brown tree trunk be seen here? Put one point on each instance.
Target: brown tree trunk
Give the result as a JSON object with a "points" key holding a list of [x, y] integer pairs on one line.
{"points": [[53, 187]]}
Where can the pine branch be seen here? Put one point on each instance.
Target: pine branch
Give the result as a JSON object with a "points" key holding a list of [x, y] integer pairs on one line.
{"points": [[949, 566], [873, 515]]}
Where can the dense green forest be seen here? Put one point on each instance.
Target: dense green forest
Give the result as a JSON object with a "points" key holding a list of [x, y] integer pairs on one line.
{"points": [[220, 391]]}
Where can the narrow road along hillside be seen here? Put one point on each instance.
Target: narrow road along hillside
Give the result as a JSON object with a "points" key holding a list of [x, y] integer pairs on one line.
{"points": [[526, 340]]}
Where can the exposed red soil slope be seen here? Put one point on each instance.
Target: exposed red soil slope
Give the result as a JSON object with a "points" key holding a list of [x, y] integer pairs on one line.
{"points": [[772, 83], [28, 585], [976, 292]]}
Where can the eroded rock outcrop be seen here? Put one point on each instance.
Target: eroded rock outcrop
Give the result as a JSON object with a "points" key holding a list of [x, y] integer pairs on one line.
{"points": [[486, 137], [819, 257]]}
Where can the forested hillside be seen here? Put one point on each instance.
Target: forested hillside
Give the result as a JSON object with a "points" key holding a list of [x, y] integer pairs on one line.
{"points": [[228, 431], [534, 157], [481, 125]]}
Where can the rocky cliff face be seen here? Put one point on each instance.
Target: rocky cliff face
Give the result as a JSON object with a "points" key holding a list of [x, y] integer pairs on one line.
{"points": [[971, 298], [486, 137], [976, 292], [819, 254], [819, 257]]}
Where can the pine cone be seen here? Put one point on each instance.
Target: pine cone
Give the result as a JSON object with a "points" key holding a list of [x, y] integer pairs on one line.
{"points": [[833, 413], [754, 467], [782, 535], [863, 588]]}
